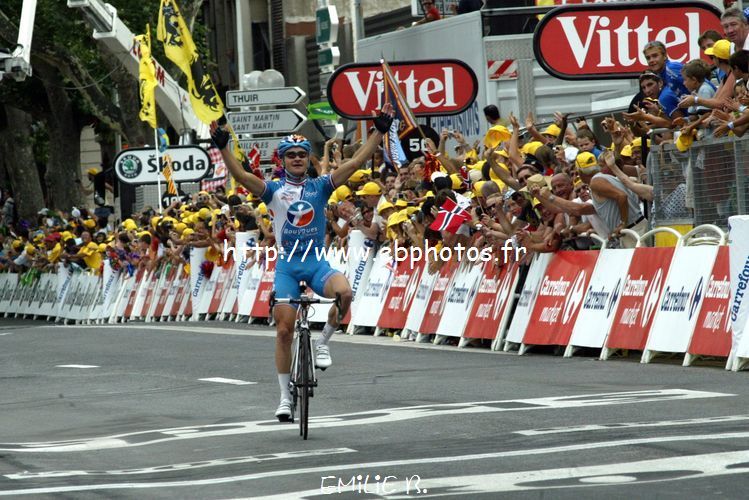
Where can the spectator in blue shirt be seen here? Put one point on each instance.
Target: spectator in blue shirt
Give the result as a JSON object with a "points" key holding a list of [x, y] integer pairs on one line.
{"points": [[669, 71], [659, 107]]}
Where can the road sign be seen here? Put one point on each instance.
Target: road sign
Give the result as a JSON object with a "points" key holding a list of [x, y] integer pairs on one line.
{"points": [[329, 56], [264, 97], [266, 146], [266, 122], [327, 25]]}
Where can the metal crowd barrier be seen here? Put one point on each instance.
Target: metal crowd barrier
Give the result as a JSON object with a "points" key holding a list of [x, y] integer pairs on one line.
{"points": [[703, 185]]}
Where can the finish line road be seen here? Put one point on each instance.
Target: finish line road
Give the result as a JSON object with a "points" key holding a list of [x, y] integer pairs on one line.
{"points": [[185, 410]]}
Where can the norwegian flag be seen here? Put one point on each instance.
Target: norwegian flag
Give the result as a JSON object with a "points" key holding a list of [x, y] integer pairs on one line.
{"points": [[450, 217]]}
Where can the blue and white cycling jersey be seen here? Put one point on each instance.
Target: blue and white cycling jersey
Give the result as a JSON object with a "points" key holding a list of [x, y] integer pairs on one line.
{"points": [[298, 212]]}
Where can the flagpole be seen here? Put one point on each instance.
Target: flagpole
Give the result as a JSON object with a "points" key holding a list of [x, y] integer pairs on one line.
{"points": [[158, 162]]}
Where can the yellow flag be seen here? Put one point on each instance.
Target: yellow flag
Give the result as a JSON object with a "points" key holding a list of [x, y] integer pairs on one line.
{"points": [[180, 49], [147, 79]]}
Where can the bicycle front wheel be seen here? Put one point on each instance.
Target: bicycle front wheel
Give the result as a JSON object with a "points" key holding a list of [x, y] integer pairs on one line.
{"points": [[305, 383]]}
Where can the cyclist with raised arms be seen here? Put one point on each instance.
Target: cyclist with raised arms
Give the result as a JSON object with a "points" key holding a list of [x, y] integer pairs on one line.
{"points": [[298, 207]]}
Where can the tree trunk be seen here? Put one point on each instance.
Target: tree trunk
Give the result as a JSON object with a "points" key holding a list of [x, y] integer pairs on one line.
{"points": [[17, 157], [63, 177]]}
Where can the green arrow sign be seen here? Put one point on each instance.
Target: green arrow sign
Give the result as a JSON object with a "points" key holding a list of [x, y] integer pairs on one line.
{"points": [[321, 111]]}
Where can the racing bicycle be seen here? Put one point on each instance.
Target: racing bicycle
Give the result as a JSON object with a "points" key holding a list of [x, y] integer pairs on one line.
{"points": [[303, 380]]}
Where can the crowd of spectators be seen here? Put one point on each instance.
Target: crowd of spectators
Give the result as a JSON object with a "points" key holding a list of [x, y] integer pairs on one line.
{"points": [[543, 188]]}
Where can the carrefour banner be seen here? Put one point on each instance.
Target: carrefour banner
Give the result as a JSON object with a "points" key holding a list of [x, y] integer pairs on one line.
{"points": [[738, 245]]}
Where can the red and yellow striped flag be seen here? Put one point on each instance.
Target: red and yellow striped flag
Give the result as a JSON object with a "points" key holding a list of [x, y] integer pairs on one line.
{"points": [[171, 187]]}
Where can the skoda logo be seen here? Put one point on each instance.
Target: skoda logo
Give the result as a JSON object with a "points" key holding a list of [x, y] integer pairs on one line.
{"points": [[130, 166], [694, 303]]}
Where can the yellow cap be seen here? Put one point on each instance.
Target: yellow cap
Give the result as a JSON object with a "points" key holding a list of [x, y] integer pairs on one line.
{"points": [[586, 161], [495, 135], [92, 171], [102, 247], [397, 217], [342, 193], [204, 213], [385, 205], [17, 244], [39, 237], [187, 232], [430, 194], [456, 180], [180, 227], [155, 221], [685, 141], [89, 223], [502, 152], [472, 154], [263, 209], [538, 180], [66, 235], [357, 176], [401, 204], [552, 129], [370, 189], [531, 147], [30, 249], [477, 187], [626, 151], [637, 142], [721, 50]]}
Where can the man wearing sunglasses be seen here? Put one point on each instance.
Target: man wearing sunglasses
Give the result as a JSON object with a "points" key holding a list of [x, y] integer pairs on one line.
{"points": [[298, 203]]}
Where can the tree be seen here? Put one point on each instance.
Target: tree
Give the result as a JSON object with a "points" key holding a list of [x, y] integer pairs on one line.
{"points": [[73, 85]]}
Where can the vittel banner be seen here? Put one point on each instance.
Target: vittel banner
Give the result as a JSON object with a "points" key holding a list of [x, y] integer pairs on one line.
{"points": [[559, 298], [432, 88], [605, 41], [641, 294]]}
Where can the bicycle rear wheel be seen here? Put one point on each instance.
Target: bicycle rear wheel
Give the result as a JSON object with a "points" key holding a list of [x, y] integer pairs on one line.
{"points": [[305, 382]]}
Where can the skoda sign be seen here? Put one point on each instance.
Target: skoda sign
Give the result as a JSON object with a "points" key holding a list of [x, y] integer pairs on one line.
{"points": [[138, 165]]}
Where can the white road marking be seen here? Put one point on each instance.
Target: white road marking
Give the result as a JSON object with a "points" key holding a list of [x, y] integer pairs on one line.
{"points": [[631, 425], [76, 366], [712, 461], [6, 333], [227, 381], [641, 472], [382, 416], [271, 333], [183, 466]]}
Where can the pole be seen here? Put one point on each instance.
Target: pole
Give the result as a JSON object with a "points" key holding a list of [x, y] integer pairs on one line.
{"points": [[240, 41], [158, 162]]}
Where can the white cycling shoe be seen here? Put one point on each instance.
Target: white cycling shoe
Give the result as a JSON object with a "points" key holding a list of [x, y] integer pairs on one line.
{"points": [[283, 413], [322, 356]]}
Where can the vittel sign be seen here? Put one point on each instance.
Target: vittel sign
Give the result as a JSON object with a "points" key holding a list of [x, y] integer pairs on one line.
{"points": [[606, 40], [432, 88]]}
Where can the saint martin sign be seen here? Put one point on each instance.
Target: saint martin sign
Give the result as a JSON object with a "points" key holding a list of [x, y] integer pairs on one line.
{"points": [[266, 122]]}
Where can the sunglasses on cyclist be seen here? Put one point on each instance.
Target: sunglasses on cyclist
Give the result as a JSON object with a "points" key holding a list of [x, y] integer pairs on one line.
{"points": [[297, 154]]}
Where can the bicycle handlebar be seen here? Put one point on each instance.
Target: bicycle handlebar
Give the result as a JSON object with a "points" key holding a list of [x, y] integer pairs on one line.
{"points": [[303, 300]]}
